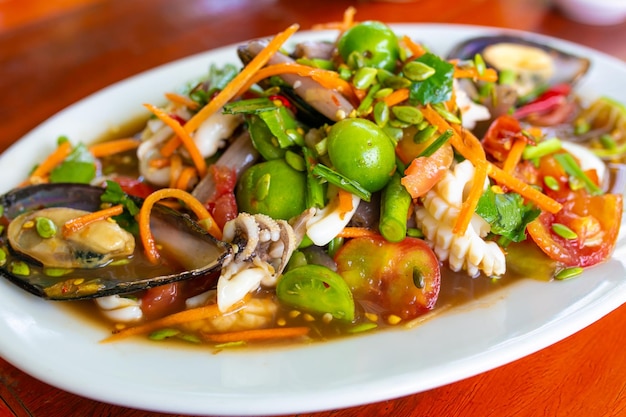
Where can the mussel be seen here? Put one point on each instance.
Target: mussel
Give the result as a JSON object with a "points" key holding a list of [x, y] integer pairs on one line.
{"points": [[102, 260], [534, 64]]}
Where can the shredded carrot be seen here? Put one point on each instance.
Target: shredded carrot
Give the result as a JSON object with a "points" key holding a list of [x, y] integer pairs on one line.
{"points": [[469, 204], [256, 334], [113, 147], [200, 313], [176, 167], [345, 24], [398, 96], [345, 202], [185, 178], [159, 163], [327, 79], [240, 79], [416, 49], [170, 146], [182, 100], [55, 158], [352, 232], [514, 155], [147, 239], [74, 225], [489, 75], [184, 136], [525, 190]]}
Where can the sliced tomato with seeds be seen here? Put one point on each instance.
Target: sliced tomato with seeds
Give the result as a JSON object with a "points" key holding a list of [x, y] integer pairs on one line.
{"points": [[400, 278]]}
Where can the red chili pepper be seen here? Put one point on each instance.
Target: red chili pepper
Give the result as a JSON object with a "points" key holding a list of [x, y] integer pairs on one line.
{"points": [[546, 102], [285, 102]]}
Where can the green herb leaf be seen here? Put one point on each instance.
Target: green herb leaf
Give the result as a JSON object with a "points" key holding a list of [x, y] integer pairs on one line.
{"points": [[438, 87], [78, 167], [115, 195], [507, 214]]}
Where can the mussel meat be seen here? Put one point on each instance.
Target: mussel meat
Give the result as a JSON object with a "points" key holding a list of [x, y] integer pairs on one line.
{"points": [[534, 64], [102, 259]]}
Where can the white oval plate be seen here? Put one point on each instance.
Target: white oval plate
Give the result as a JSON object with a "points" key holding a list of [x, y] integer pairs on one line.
{"points": [[45, 341]]}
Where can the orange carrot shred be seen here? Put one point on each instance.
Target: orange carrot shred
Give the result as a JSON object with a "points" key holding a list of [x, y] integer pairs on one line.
{"points": [[55, 158], [345, 202], [185, 178], [147, 239], [489, 75], [183, 100], [416, 49], [200, 313], [184, 136], [256, 334], [170, 146], [176, 167], [354, 231], [76, 224], [345, 24], [514, 155], [469, 204], [398, 96], [159, 163], [240, 79], [113, 147], [525, 190]]}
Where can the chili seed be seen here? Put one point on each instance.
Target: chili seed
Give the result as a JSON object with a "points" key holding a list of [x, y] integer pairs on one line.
{"points": [[568, 273], [417, 71], [393, 319], [564, 231]]}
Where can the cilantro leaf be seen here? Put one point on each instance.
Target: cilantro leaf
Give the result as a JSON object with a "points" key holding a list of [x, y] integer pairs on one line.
{"points": [[507, 214], [114, 194], [438, 87]]}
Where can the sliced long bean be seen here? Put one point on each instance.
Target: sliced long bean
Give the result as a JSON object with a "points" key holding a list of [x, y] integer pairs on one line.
{"points": [[394, 208]]}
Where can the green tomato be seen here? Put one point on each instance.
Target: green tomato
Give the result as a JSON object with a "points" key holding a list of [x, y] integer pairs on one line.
{"points": [[273, 188], [316, 289], [362, 152], [374, 41]]}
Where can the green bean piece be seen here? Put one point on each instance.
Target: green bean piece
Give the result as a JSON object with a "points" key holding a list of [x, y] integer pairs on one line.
{"points": [[314, 188], [570, 166], [295, 161], [364, 77], [263, 187], [365, 107], [394, 208], [608, 142], [564, 231], [448, 116], [479, 62], [381, 113], [408, 114], [417, 71], [334, 245], [568, 273], [3, 257], [551, 182], [20, 268]]}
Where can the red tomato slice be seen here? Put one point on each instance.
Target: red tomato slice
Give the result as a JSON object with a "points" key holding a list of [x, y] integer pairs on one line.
{"points": [[596, 221], [134, 186], [399, 278]]}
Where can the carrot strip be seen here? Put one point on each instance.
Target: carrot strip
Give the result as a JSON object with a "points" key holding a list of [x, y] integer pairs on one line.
{"points": [[514, 155], [170, 146], [184, 179], [398, 96], [345, 24], [489, 75], [345, 202], [327, 79], [525, 190], [257, 334], [352, 232], [112, 147], [200, 313], [469, 204], [74, 225], [147, 239], [160, 163], [55, 158], [182, 100], [184, 136], [240, 79], [176, 167], [416, 49]]}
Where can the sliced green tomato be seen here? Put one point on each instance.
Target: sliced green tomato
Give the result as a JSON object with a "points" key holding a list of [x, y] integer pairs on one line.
{"points": [[401, 278], [316, 289]]}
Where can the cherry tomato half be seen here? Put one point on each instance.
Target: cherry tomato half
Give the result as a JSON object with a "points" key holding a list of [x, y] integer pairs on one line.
{"points": [[400, 278], [595, 220]]}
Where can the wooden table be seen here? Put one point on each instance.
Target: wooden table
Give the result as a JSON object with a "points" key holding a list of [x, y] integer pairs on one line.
{"points": [[55, 53]]}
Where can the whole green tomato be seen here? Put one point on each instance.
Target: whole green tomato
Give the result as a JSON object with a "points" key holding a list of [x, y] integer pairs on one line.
{"points": [[374, 41], [273, 188], [362, 152]]}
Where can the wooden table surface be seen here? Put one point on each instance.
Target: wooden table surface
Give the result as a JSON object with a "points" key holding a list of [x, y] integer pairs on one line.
{"points": [[55, 53]]}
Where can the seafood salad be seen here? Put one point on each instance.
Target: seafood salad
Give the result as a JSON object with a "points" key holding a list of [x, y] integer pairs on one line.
{"points": [[326, 190]]}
